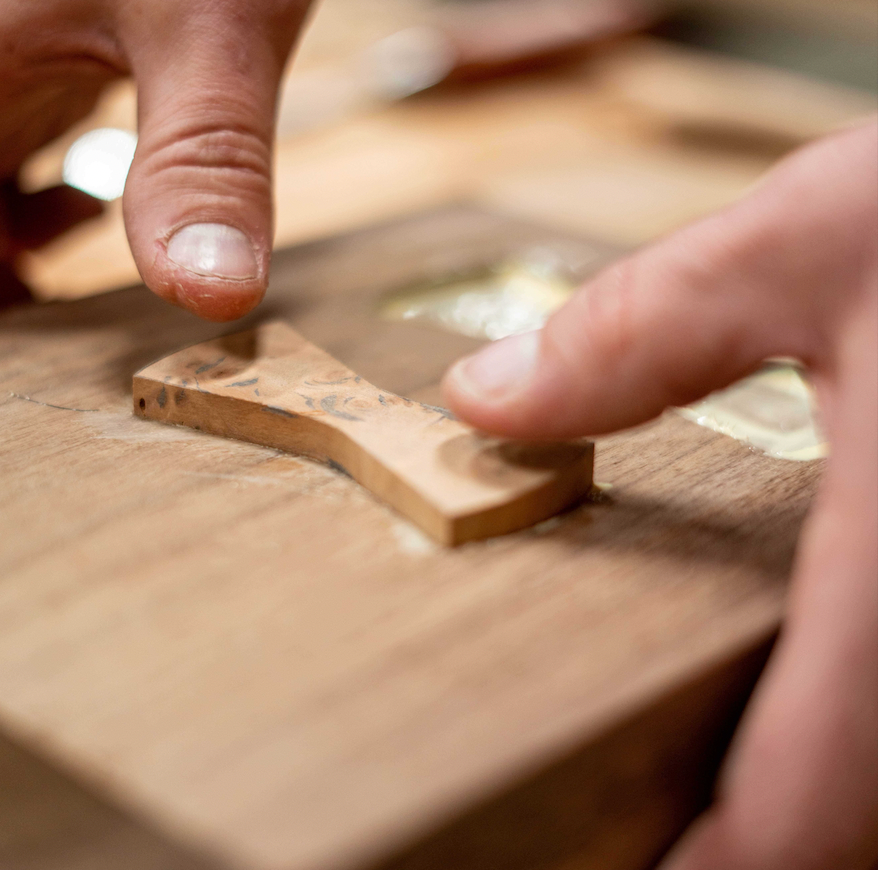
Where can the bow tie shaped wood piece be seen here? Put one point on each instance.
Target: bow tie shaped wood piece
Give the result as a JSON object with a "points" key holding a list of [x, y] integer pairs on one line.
{"points": [[272, 387]]}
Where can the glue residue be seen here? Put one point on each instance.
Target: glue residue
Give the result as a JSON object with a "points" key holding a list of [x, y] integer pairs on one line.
{"points": [[772, 411], [493, 302], [411, 540]]}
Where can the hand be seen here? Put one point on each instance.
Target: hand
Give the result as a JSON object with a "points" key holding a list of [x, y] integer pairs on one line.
{"points": [[790, 271], [198, 203], [29, 221]]}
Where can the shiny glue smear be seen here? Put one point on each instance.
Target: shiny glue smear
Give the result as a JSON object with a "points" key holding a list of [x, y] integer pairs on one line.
{"points": [[772, 411]]}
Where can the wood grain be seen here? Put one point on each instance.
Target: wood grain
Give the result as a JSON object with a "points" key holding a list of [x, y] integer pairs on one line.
{"points": [[271, 387], [249, 654]]}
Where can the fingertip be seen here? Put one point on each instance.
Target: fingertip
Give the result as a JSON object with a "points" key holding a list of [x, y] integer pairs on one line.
{"points": [[214, 251], [497, 390], [218, 303], [210, 269], [468, 404]]}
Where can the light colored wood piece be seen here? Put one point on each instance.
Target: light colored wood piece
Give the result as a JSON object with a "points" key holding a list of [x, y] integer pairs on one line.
{"points": [[272, 387]]}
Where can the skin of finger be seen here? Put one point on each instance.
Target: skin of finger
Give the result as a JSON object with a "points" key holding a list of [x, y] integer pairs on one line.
{"points": [[57, 57], [799, 788], [700, 309], [205, 153], [40, 217]]}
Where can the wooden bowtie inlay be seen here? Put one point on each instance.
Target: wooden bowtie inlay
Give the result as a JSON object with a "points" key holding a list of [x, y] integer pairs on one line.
{"points": [[272, 387]]}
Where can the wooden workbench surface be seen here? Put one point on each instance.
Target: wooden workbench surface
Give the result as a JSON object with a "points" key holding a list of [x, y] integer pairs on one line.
{"points": [[261, 662]]}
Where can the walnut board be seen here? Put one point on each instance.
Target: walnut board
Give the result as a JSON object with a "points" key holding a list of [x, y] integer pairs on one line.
{"points": [[258, 661], [270, 386]]}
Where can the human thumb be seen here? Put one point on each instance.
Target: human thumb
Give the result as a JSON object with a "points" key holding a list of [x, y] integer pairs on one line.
{"points": [[198, 202]]}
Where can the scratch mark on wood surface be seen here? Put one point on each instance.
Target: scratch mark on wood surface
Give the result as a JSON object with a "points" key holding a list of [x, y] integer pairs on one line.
{"points": [[56, 407]]}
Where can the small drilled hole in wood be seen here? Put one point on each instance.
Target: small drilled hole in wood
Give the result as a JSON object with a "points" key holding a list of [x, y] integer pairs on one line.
{"points": [[143, 404]]}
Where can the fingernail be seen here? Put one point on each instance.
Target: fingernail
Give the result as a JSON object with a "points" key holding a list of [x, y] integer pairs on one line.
{"points": [[502, 369], [215, 251]]}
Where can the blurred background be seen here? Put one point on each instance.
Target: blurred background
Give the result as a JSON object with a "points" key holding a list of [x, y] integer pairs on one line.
{"points": [[616, 119]]}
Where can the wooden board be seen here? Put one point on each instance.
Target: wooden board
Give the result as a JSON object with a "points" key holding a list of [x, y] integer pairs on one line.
{"points": [[253, 657]]}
